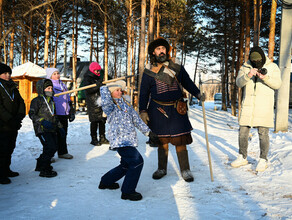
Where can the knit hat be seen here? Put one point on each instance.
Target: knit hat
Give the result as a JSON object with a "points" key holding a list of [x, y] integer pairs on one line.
{"points": [[156, 43], [94, 66], [47, 83], [120, 84], [5, 69], [50, 71]]}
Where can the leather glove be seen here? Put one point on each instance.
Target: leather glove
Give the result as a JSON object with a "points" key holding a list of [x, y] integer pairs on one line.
{"points": [[144, 116], [202, 97], [71, 117], [47, 125], [62, 132], [154, 138]]}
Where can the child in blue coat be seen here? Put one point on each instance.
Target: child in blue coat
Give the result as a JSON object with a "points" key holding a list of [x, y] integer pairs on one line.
{"points": [[122, 120]]}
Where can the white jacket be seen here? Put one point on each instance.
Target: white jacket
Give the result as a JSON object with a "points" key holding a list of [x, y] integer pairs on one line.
{"points": [[258, 95]]}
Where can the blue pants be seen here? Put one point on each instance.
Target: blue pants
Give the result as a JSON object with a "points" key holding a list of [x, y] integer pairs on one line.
{"points": [[131, 165], [49, 141]]}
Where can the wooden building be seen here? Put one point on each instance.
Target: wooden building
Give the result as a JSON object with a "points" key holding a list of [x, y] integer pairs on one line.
{"points": [[26, 77]]}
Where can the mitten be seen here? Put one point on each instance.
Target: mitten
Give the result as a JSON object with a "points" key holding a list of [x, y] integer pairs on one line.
{"points": [[46, 124], [154, 138], [202, 97], [71, 117]]}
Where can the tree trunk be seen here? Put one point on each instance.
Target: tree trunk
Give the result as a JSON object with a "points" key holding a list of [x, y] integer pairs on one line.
{"points": [[31, 39], [272, 30], [1, 23], [74, 52], [91, 35], [240, 52], [47, 37], [157, 21], [129, 32], [233, 86], [151, 20], [56, 42], [257, 21], [37, 45], [247, 30], [105, 41], [225, 74], [12, 34], [142, 42], [97, 47]]}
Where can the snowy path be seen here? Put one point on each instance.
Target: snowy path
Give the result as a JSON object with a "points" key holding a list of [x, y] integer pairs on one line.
{"points": [[235, 193]]}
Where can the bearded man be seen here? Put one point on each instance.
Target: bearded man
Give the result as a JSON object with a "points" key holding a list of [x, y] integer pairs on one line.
{"points": [[161, 88]]}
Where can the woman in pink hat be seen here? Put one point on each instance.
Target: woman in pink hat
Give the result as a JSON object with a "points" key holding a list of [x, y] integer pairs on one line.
{"points": [[94, 110]]}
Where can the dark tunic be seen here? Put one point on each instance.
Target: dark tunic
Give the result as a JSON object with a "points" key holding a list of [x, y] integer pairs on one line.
{"points": [[93, 109], [175, 125]]}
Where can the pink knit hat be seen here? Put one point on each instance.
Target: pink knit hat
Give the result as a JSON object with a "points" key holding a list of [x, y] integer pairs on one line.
{"points": [[94, 66]]}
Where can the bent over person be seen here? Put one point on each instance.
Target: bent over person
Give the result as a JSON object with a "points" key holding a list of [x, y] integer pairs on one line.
{"points": [[161, 87], [258, 78]]}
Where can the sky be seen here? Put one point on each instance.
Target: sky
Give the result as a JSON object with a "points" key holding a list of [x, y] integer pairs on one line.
{"points": [[236, 193]]}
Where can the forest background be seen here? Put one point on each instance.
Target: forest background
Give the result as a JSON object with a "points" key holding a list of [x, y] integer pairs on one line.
{"points": [[216, 36]]}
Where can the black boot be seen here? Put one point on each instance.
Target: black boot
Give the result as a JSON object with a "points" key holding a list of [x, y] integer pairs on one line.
{"points": [[183, 160], [4, 180], [48, 173], [11, 173], [132, 196], [94, 141], [162, 164], [103, 140], [112, 186]]}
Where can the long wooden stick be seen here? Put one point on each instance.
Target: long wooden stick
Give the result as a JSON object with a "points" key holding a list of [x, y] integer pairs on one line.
{"points": [[207, 141], [92, 85]]}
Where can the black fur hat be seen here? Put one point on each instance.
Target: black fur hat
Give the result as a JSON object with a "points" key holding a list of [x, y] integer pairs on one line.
{"points": [[156, 43], [4, 69]]}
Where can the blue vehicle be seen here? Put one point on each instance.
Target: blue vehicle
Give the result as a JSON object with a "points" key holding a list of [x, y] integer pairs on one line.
{"points": [[218, 98]]}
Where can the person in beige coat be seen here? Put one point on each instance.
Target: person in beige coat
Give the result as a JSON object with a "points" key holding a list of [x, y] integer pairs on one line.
{"points": [[259, 77]]}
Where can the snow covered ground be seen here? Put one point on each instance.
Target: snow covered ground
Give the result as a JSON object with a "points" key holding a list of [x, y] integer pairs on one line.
{"points": [[236, 193]]}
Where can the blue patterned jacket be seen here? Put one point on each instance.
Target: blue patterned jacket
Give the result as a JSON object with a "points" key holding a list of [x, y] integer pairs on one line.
{"points": [[122, 123]]}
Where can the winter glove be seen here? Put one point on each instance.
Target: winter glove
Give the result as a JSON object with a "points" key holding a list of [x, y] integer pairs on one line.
{"points": [[19, 117], [202, 97], [47, 125], [71, 117], [14, 123], [62, 132], [144, 116], [98, 83], [71, 112], [154, 139]]}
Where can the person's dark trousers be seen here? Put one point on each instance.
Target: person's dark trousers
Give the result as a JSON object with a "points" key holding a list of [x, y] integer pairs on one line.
{"points": [[62, 141], [131, 165], [7, 145], [93, 128], [49, 141]]}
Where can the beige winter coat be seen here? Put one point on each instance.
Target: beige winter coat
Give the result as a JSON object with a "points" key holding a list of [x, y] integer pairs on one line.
{"points": [[258, 98]]}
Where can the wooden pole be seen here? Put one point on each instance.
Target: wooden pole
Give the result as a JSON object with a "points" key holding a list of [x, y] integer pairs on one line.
{"points": [[207, 141], [92, 85]]}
